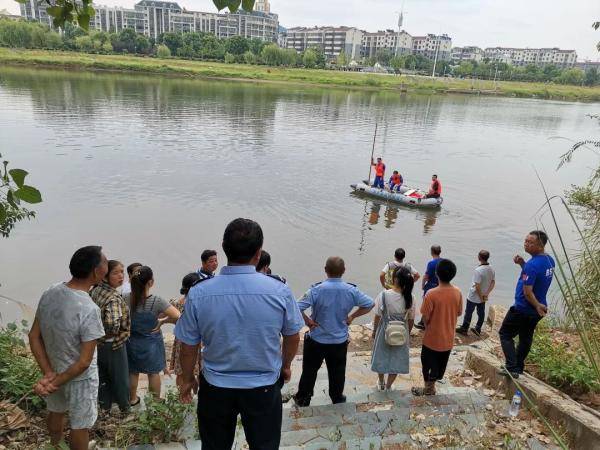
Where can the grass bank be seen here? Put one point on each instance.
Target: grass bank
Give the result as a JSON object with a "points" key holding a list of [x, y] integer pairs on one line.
{"points": [[204, 69]]}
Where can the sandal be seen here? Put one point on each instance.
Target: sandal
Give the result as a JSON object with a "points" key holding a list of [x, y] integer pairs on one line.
{"points": [[137, 402]]}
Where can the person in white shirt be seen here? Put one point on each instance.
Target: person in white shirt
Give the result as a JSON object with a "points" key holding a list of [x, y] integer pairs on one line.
{"points": [[484, 280], [387, 273], [126, 287]]}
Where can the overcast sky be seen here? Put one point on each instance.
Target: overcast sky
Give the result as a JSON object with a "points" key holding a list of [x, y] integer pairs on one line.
{"points": [[485, 23]]}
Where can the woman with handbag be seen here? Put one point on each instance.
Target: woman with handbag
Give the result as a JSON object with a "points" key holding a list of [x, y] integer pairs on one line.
{"points": [[394, 319]]}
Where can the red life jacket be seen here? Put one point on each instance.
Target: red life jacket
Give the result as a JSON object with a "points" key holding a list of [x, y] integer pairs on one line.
{"points": [[380, 169], [396, 179], [432, 189]]}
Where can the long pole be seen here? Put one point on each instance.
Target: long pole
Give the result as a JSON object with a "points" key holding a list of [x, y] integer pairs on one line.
{"points": [[372, 153]]}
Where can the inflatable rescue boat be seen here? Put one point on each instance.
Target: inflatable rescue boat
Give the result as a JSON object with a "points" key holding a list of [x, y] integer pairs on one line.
{"points": [[406, 196]]}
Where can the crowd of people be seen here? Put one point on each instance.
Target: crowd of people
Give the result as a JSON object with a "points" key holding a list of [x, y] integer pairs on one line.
{"points": [[396, 180], [237, 333]]}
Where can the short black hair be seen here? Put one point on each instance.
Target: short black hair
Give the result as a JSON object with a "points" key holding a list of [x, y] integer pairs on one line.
{"points": [[436, 250], [484, 255], [541, 236], [131, 268], [264, 261], [188, 281], [241, 240], [84, 261], [400, 254], [445, 270], [207, 254]]}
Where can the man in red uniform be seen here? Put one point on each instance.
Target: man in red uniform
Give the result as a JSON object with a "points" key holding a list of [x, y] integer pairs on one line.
{"points": [[379, 173], [435, 190]]}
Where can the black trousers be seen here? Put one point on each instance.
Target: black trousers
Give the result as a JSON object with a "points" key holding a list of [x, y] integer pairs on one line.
{"points": [[113, 372], [260, 409], [471, 306], [515, 324], [433, 363], [335, 359]]}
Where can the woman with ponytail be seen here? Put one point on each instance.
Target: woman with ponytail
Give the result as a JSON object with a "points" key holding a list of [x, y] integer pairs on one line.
{"points": [[146, 346], [395, 304]]}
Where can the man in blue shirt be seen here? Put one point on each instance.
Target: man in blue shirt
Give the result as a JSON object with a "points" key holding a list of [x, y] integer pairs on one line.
{"points": [[530, 303], [430, 279], [331, 302], [239, 316]]}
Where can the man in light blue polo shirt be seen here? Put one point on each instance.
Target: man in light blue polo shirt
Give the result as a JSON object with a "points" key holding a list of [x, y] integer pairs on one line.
{"points": [[331, 302], [239, 316]]}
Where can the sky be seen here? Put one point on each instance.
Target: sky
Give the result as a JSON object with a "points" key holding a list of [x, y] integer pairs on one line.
{"points": [[485, 23]]}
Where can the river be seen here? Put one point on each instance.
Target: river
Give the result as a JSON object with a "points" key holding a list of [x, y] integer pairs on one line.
{"points": [[154, 168]]}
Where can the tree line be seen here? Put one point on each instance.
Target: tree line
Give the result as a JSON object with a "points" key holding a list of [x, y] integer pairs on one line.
{"points": [[238, 49]]}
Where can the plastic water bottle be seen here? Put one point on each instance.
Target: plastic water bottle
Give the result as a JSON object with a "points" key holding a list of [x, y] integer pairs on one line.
{"points": [[515, 405]]}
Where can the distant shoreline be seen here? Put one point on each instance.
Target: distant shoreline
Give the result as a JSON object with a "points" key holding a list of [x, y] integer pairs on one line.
{"points": [[281, 75]]}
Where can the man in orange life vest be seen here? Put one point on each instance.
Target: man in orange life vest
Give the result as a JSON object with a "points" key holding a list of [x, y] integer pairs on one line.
{"points": [[396, 181], [435, 190], [379, 173]]}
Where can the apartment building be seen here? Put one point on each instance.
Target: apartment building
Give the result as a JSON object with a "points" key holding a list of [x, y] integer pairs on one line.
{"points": [[535, 56], [433, 45], [471, 53], [152, 18], [399, 43], [331, 39]]}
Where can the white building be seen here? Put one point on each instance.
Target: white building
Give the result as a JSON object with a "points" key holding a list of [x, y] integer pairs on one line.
{"points": [[433, 45], [153, 18], [535, 56], [398, 43], [471, 53], [333, 40]]}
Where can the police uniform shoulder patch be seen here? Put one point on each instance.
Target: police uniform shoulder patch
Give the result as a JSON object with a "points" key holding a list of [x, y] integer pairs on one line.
{"points": [[316, 284], [201, 280], [276, 277], [351, 284]]}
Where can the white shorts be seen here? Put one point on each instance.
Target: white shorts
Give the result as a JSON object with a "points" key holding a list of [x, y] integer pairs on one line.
{"points": [[80, 399]]}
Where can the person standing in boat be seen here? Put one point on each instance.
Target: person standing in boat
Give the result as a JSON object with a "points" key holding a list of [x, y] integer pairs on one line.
{"points": [[379, 173], [396, 181], [435, 190]]}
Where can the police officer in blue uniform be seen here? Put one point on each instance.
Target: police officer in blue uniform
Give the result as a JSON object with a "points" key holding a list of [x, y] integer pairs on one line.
{"points": [[240, 317], [331, 303], [209, 264]]}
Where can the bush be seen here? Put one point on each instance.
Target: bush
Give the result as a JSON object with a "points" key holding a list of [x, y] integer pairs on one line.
{"points": [[163, 51], [18, 369], [229, 58], [251, 58]]}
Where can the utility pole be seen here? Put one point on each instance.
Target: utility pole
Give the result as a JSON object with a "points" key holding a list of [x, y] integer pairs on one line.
{"points": [[437, 49]]}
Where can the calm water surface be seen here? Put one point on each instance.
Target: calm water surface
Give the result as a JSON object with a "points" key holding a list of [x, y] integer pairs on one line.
{"points": [[153, 169]]}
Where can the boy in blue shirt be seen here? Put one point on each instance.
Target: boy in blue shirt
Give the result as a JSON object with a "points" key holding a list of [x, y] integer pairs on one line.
{"points": [[530, 303], [430, 279]]}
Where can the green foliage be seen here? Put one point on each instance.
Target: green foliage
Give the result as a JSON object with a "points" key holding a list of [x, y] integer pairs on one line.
{"points": [[251, 58], [18, 370], [142, 45], [13, 191], [309, 58], [571, 76], [256, 45], [229, 58], [342, 59], [592, 77], [383, 56], [397, 63], [27, 35], [561, 365], [272, 55], [172, 40], [163, 51], [162, 420], [236, 45]]}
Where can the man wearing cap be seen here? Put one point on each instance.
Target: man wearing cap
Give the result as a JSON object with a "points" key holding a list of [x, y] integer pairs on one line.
{"points": [[379, 173], [331, 302], [240, 316]]}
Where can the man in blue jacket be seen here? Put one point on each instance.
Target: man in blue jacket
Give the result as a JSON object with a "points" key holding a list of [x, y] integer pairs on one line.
{"points": [[331, 303]]}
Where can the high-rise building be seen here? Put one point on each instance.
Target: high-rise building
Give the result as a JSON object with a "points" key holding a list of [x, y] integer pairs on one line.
{"points": [[469, 53], [262, 6], [152, 18], [333, 40]]}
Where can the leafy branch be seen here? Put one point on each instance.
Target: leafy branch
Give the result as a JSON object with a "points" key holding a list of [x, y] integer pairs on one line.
{"points": [[13, 191], [81, 11]]}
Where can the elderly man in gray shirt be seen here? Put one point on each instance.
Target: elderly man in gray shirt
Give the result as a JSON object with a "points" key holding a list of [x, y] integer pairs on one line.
{"points": [[63, 341]]}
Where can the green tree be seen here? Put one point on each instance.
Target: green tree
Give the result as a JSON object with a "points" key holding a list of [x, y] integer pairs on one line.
{"points": [[163, 51], [124, 40], [70, 32], [107, 47], [256, 45], [84, 44], [342, 59], [14, 34], [211, 47], [571, 76], [383, 56], [251, 58], [592, 77], [13, 193], [172, 40], [321, 58], [229, 58], [309, 58], [397, 63], [142, 44], [236, 45], [271, 55], [193, 41]]}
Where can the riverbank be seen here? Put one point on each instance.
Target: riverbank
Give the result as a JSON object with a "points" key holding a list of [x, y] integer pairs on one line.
{"points": [[215, 70]]}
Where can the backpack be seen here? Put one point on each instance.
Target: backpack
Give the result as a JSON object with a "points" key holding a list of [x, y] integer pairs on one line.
{"points": [[395, 331]]}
